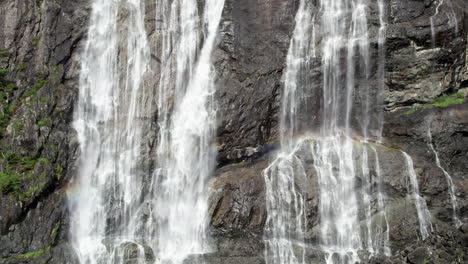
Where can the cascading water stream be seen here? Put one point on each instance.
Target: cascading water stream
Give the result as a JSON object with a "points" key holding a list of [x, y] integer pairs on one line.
{"points": [[107, 120], [452, 18], [382, 232], [424, 216], [187, 129], [381, 67], [451, 186], [121, 213], [342, 33], [285, 224], [343, 24]]}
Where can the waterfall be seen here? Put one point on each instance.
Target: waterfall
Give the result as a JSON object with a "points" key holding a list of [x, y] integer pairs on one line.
{"points": [[187, 120], [344, 24], [382, 232], [342, 34], [424, 216], [121, 212], [451, 16], [284, 227], [381, 66], [451, 186], [107, 120]]}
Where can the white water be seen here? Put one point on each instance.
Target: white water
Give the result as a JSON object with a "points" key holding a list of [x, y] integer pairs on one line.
{"points": [[382, 232], [107, 121], [187, 129], [451, 16], [284, 228], [120, 211], [285, 224], [381, 67], [339, 208], [342, 30], [451, 186], [424, 216]]}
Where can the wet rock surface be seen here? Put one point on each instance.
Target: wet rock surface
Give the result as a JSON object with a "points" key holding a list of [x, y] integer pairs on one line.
{"points": [[40, 44]]}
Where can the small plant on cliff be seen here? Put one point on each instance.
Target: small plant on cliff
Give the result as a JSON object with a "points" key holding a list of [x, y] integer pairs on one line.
{"points": [[15, 169], [4, 53], [445, 101], [20, 67], [42, 122], [9, 182], [34, 89], [35, 41]]}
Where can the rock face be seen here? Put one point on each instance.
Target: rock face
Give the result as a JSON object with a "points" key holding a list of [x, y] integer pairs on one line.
{"points": [[426, 81]]}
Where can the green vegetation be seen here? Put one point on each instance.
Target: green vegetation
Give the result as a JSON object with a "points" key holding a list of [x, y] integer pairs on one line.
{"points": [[30, 255], [448, 100], [6, 91], [42, 122], [58, 171], [20, 67], [9, 108], [18, 126], [34, 89], [54, 231], [442, 101], [31, 191], [234, 235], [3, 72], [15, 170], [9, 182], [35, 41], [34, 254], [55, 68], [9, 104], [4, 53]]}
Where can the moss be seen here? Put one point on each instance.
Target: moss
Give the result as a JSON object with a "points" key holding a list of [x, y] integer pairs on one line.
{"points": [[20, 67], [42, 122], [35, 41], [9, 105], [58, 171], [10, 87], [16, 169], [42, 160], [10, 182], [409, 112], [54, 231], [55, 68], [33, 254], [3, 72], [33, 190], [12, 107], [18, 126], [4, 121], [448, 100], [34, 89], [234, 235], [4, 53]]}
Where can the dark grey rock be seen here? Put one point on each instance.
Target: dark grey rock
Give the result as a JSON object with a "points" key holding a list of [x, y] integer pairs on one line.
{"points": [[420, 255]]}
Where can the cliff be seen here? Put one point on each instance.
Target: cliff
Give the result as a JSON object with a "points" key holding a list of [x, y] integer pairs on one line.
{"points": [[426, 86]]}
